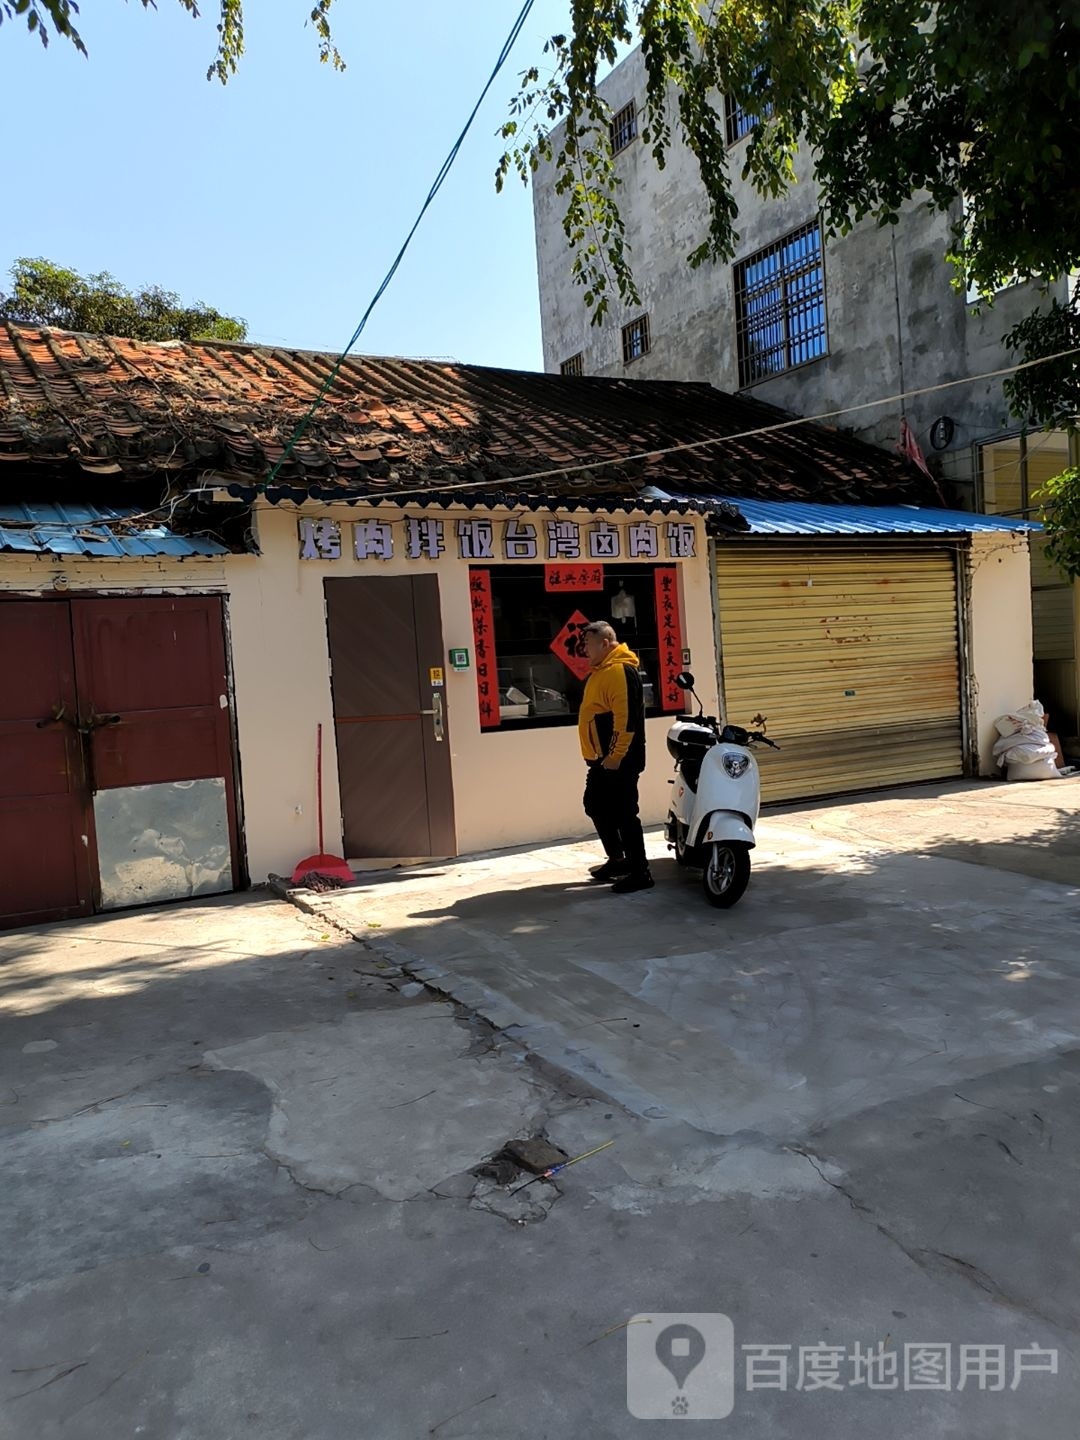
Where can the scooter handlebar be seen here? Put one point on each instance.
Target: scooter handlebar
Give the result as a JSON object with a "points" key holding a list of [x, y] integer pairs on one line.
{"points": [[735, 733]]}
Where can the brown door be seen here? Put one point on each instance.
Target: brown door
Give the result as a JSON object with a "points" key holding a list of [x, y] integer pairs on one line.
{"points": [[153, 705], [393, 736], [45, 828]]}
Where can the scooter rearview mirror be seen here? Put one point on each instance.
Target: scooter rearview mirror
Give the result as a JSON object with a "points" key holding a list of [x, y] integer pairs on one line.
{"points": [[685, 680]]}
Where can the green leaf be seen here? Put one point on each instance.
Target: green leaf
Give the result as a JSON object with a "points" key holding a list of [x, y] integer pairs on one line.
{"points": [[1060, 501], [44, 293]]}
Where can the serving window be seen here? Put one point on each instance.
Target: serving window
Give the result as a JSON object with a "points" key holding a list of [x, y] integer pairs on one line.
{"points": [[528, 623]]}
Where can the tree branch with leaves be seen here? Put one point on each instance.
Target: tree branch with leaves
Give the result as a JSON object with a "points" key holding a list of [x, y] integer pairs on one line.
{"points": [[956, 99], [1048, 396], [972, 105], [47, 17], [43, 293]]}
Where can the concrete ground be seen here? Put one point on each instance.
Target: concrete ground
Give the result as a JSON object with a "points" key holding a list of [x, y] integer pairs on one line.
{"points": [[237, 1144]]}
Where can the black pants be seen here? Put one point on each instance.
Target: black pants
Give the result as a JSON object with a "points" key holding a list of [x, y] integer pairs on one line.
{"points": [[611, 803]]}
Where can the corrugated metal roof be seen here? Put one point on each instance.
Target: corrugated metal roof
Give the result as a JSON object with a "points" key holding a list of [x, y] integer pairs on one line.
{"points": [[791, 517], [95, 532]]}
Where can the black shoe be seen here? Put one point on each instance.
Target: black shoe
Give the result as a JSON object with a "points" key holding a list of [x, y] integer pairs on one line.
{"points": [[610, 870], [631, 882]]}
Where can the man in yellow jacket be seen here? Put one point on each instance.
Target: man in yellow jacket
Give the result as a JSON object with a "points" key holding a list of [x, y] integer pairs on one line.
{"points": [[611, 729]]}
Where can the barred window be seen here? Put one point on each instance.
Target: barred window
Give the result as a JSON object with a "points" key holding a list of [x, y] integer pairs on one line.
{"points": [[624, 127], [737, 121], [780, 306], [574, 366], [635, 339]]}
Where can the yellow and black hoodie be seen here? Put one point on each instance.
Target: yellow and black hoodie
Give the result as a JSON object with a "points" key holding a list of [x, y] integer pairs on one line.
{"points": [[611, 721]]}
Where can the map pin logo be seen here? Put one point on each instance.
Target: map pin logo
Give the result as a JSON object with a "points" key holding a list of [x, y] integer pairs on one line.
{"points": [[680, 1349]]}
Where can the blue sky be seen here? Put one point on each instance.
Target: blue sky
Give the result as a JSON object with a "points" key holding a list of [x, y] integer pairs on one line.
{"points": [[283, 197]]}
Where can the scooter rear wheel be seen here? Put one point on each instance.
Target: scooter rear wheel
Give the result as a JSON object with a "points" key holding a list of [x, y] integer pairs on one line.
{"points": [[727, 874]]}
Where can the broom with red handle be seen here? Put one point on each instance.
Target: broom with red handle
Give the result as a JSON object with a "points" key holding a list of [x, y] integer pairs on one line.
{"points": [[331, 866]]}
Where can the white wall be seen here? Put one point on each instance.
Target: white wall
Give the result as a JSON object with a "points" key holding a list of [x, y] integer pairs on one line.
{"points": [[1000, 635], [509, 787]]}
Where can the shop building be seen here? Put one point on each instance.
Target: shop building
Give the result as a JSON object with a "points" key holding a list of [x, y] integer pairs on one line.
{"points": [[186, 600]]}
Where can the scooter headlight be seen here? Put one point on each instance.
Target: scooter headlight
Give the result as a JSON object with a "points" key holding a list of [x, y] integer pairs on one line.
{"points": [[736, 765]]}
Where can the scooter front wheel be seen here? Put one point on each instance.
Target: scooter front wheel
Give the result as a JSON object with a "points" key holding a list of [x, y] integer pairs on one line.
{"points": [[727, 874]]}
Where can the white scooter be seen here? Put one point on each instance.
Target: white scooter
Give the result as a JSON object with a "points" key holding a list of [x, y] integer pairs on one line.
{"points": [[716, 799]]}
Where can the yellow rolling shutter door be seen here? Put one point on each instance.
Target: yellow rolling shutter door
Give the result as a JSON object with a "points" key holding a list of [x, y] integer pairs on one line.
{"points": [[852, 654]]}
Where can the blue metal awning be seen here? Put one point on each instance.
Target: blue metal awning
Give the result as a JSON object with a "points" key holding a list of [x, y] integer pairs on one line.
{"points": [[784, 517], [95, 532]]}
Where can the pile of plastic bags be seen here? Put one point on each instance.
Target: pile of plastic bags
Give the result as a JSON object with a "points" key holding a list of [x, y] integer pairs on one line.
{"points": [[1025, 747]]}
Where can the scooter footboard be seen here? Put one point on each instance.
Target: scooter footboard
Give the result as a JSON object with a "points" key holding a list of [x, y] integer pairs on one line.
{"points": [[726, 825]]}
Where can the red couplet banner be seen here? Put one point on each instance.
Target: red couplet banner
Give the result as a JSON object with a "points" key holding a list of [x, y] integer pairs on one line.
{"points": [[483, 624], [669, 629]]}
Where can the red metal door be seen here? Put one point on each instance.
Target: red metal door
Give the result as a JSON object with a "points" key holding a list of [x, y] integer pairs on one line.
{"points": [[45, 826], [153, 705]]}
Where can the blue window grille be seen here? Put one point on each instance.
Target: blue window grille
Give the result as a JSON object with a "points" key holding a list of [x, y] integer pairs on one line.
{"points": [[623, 127], [780, 306], [635, 339]]}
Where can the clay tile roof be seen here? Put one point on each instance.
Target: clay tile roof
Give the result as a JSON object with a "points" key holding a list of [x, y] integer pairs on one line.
{"points": [[95, 404]]}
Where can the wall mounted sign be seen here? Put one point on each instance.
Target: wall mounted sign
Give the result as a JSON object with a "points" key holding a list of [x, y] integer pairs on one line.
{"points": [[573, 577], [373, 540], [320, 540], [556, 541], [459, 659]]}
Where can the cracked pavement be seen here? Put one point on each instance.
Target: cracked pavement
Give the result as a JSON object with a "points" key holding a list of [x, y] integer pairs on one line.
{"points": [[238, 1144]]}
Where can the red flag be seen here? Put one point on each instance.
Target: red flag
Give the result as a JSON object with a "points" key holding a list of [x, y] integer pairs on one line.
{"points": [[910, 447]]}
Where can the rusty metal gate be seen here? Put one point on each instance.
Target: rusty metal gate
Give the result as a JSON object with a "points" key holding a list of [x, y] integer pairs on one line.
{"points": [[117, 786]]}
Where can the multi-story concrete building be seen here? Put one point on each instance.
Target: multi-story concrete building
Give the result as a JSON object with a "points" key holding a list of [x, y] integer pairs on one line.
{"points": [[816, 326]]}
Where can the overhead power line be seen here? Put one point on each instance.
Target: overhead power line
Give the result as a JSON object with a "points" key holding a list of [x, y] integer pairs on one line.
{"points": [[611, 459], [601, 461], [437, 184]]}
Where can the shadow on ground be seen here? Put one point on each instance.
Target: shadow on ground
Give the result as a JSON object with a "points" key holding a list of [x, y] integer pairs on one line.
{"points": [[844, 1112]]}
